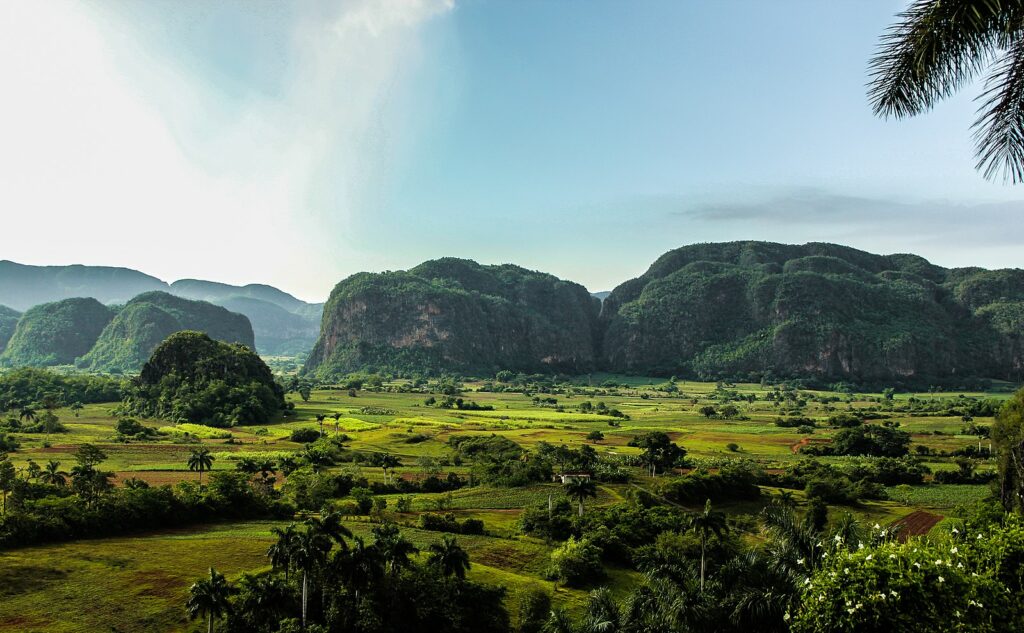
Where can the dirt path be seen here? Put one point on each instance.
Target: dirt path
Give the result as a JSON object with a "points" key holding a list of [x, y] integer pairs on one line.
{"points": [[917, 523], [802, 443]]}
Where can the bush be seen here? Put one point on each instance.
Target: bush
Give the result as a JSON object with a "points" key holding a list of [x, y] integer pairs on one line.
{"points": [[576, 563], [305, 436]]}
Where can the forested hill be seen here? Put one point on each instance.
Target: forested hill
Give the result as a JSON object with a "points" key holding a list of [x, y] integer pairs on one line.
{"points": [[818, 310], [144, 322], [455, 314], [283, 324]]}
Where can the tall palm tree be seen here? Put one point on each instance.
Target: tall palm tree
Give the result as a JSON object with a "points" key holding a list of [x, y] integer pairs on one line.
{"points": [[394, 548], [209, 598], [308, 554], [579, 489], [706, 524], [388, 463], [28, 414], [330, 525], [280, 553], [53, 475], [449, 557], [337, 422], [200, 460], [939, 46], [602, 613]]}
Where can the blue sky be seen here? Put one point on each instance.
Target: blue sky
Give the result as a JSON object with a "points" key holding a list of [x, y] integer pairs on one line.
{"points": [[295, 145]]}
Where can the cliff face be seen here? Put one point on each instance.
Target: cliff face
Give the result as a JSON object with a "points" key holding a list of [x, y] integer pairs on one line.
{"points": [[56, 333], [817, 310], [457, 315], [144, 322]]}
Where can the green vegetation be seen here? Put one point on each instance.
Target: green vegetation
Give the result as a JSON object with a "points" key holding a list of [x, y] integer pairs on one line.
{"points": [[56, 333], [484, 477], [8, 321], [193, 378], [747, 310], [453, 314], [145, 321]]}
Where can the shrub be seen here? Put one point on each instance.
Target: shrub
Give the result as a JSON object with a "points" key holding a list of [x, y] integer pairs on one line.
{"points": [[305, 435], [576, 563]]}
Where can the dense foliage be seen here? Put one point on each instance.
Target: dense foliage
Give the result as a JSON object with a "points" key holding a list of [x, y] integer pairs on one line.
{"points": [[753, 309], [56, 333], [453, 314], [193, 378], [8, 321], [29, 386], [148, 319]]}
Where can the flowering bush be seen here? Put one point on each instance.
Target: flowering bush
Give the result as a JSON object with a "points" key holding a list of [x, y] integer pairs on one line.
{"points": [[965, 581]]}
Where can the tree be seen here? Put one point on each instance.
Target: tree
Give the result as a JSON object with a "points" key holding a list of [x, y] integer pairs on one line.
{"points": [[387, 462], [200, 460], [595, 436], [320, 422], [27, 414], [8, 475], [53, 475], [209, 598], [280, 553], [579, 489], [449, 557], [938, 46], [706, 524], [337, 422], [1008, 438], [76, 407], [393, 548], [658, 451], [308, 553], [708, 411]]}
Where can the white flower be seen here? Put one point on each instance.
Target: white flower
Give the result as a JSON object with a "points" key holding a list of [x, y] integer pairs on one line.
{"points": [[918, 565], [807, 581], [892, 556], [938, 561], [892, 592], [957, 612], [955, 531], [978, 538], [850, 611], [786, 616], [838, 539], [941, 579], [799, 561], [954, 550], [849, 602], [960, 565], [870, 556], [882, 596], [846, 570], [860, 545], [884, 532], [878, 527]]}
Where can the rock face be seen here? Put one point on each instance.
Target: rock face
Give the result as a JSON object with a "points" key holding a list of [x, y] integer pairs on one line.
{"points": [[745, 309], [8, 321], [144, 322], [56, 333], [457, 315]]}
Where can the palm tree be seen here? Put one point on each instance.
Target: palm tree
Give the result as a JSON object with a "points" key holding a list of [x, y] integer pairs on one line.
{"points": [[937, 47], [330, 525], [280, 553], [28, 414], [559, 622], [209, 598], [602, 614], [309, 553], [449, 556], [337, 422], [394, 548], [320, 421], [287, 465], [578, 489], [388, 462], [200, 460], [706, 524], [53, 475], [76, 407]]}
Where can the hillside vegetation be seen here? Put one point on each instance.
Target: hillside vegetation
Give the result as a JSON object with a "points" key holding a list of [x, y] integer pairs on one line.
{"points": [[458, 315], [8, 321], [747, 309], [145, 321], [56, 333], [193, 378]]}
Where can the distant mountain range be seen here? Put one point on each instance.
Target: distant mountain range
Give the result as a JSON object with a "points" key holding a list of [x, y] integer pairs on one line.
{"points": [[725, 311], [282, 324]]}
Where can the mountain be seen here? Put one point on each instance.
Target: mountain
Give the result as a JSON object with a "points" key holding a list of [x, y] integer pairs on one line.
{"points": [[745, 309], [278, 331], [283, 325], [23, 286], [144, 322], [454, 314], [8, 321], [56, 333], [602, 295]]}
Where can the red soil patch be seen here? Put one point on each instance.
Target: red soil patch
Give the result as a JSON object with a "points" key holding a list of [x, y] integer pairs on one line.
{"points": [[802, 443], [917, 523]]}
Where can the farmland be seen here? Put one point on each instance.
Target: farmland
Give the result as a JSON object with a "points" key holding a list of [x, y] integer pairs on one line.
{"points": [[139, 582]]}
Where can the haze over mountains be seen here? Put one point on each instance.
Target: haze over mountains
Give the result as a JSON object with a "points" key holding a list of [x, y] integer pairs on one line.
{"points": [[283, 324], [713, 311]]}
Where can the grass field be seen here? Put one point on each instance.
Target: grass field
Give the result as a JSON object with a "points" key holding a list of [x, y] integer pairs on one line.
{"points": [[138, 583]]}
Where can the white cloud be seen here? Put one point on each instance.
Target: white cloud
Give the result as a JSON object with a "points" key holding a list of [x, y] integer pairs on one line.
{"points": [[114, 152]]}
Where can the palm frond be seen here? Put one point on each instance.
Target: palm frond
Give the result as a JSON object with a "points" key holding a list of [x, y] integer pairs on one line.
{"points": [[999, 130]]}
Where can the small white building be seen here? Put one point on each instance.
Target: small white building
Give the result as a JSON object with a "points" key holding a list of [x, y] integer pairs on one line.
{"points": [[571, 476]]}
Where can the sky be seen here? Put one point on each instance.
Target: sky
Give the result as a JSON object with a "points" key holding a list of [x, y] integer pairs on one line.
{"points": [[298, 143]]}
